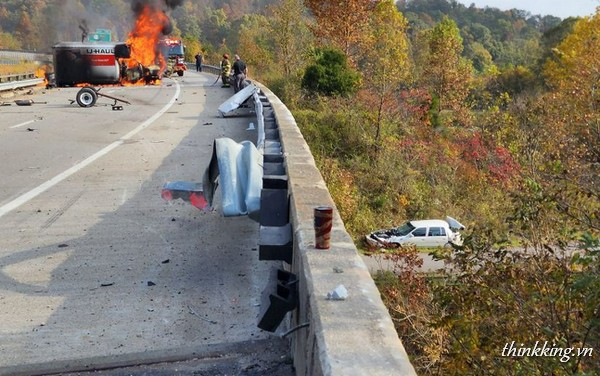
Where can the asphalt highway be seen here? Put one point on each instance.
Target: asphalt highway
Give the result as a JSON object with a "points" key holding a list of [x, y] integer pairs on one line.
{"points": [[97, 271]]}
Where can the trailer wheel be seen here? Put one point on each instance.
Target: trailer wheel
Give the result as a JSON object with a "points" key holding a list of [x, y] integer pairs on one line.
{"points": [[86, 97]]}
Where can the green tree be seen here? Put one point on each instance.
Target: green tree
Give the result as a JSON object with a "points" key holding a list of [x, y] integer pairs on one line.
{"points": [[189, 26], [480, 57], [217, 27], [330, 75], [513, 81]]}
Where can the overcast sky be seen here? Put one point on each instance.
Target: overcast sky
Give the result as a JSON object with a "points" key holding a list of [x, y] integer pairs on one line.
{"points": [[558, 8]]}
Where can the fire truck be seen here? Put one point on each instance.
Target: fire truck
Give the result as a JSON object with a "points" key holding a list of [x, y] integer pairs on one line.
{"points": [[173, 52]]}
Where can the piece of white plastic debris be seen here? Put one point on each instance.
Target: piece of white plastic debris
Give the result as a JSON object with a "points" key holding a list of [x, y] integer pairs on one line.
{"points": [[339, 293]]}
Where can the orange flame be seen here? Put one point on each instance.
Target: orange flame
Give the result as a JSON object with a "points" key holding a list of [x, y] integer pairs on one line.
{"points": [[41, 71], [144, 38]]}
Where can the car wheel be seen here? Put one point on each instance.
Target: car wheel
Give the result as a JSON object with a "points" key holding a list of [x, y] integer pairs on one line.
{"points": [[180, 73], [448, 245], [86, 97]]}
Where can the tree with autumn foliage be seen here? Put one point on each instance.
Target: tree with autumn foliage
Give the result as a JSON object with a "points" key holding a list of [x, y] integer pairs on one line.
{"points": [[573, 116], [291, 35], [341, 25], [447, 74], [253, 44], [384, 59]]}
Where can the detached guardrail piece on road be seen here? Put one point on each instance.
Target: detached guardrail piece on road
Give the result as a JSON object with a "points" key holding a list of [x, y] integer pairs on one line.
{"points": [[237, 99], [238, 168]]}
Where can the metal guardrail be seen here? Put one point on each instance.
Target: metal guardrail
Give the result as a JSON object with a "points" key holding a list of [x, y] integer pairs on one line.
{"points": [[205, 68], [19, 84], [16, 77], [211, 69]]}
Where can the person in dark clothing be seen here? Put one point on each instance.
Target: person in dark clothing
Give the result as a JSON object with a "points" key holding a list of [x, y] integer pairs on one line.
{"points": [[198, 62], [240, 70]]}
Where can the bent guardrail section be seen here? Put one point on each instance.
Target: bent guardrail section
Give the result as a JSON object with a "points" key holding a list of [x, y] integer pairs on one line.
{"points": [[355, 336]]}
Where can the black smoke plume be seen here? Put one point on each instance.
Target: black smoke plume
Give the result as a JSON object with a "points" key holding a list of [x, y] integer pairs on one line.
{"points": [[138, 7]]}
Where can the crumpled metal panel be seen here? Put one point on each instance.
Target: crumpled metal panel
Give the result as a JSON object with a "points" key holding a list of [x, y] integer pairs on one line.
{"points": [[237, 167]]}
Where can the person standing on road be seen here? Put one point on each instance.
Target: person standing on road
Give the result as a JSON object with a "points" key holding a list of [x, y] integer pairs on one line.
{"points": [[198, 62], [240, 70], [225, 70]]}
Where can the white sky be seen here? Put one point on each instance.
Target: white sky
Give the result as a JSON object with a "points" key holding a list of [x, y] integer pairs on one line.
{"points": [[558, 8]]}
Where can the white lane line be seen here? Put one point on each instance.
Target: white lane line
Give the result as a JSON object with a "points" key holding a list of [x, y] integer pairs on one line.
{"points": [[79, 166], [22, 124]]}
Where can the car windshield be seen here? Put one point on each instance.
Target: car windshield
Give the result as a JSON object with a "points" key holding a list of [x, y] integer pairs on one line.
{"points": [[403, 230], [175, 49]]}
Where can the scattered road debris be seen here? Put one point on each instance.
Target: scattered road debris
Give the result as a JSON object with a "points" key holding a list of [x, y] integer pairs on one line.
{"points": [[27, 102], [200, 317], [339, 293]]}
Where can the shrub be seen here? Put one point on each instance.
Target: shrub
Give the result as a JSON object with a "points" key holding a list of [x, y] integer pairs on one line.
{"points": [[330, 75]]}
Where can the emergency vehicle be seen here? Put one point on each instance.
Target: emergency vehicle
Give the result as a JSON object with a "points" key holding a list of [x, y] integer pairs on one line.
{"points": [[173, 52]]}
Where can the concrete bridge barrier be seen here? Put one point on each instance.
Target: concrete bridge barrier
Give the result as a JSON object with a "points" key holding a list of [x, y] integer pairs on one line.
{"points": [[354, 336]]}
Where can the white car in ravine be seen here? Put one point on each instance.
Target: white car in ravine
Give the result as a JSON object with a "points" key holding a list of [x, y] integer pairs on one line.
{"points": [[428, 233]]}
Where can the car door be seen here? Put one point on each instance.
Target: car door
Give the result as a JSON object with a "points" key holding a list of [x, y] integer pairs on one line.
{"points": [[419, 237], [436, 237]]}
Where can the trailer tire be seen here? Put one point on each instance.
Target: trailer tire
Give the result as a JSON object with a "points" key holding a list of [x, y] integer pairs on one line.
{"points": [[86, 97]]}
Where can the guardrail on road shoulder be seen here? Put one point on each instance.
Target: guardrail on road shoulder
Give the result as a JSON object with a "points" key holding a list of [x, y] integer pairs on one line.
{"points": [[12, 85], [18, 81], [16, 77]]}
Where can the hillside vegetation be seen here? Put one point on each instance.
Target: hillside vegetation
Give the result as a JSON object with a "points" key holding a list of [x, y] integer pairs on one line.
{"points": [[423, 109]]}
